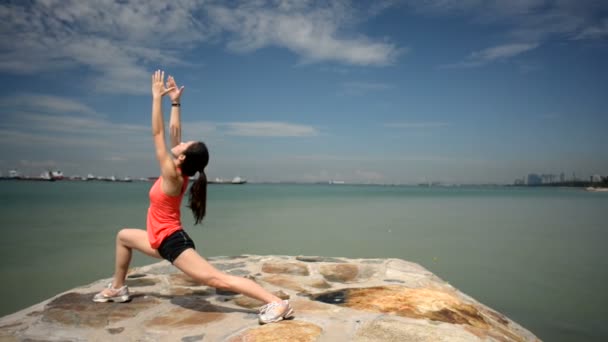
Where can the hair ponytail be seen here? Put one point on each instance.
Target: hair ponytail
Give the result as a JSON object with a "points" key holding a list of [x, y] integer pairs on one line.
{"points": [[197, 158], [198, 197]]}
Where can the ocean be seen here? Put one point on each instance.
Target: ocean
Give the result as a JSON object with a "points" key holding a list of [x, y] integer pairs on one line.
{"points": [[538, 255]]}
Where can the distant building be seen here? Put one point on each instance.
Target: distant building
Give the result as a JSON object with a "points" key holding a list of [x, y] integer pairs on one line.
{"points": [[534, 179], [562, 177], [547, 178], [596, 179]]}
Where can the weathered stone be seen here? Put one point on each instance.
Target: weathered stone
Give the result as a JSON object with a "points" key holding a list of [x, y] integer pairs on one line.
{"points": [[186, 291], [8, 337], [247, 302], [194, 338], [394, 281], [180, 279], [223, 258], [318, 283], [286, 268], [12, 325], [292, 331], [228, 266], [250, 303], [284, 281], [164, 267], [78, 310], [115, 331], [390, 330], [140, 282], [190, 313], [309, 258], [6, 334], [173, 307], [414, 303], [222, 292], [318, 259], [301, 306], [238, 272], [339, 272], [397, 267], [136, 275]]}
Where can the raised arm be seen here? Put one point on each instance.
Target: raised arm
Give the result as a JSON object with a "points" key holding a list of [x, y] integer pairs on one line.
{"points": [[167, 167], [175, 124]]}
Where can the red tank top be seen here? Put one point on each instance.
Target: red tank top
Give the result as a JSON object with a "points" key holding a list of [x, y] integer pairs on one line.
{"points": [[163, 213]]}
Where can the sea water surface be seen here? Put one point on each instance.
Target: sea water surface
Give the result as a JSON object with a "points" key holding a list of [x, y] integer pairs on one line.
{"points": [[538, 255]]}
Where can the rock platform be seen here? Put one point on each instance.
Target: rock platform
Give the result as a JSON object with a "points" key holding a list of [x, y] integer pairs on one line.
{"points": [[335, 299]]}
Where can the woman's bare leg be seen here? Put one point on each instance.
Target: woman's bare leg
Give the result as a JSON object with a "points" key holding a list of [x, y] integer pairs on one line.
{"points": [[195, 266], [127, 240]]}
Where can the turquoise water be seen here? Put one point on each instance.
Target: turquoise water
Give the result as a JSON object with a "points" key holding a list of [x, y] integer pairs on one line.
{"points": [[536, 255]]}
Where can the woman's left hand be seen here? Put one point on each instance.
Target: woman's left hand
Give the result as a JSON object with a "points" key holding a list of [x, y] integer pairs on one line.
{"points": [[176, 92], [158, 84]]}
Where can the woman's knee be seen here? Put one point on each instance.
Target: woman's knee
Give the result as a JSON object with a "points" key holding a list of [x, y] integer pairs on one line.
{"points": [[122, 235], [130, 237]]}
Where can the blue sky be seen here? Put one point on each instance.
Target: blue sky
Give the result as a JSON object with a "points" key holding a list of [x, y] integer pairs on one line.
{"points": [[382, 91]]}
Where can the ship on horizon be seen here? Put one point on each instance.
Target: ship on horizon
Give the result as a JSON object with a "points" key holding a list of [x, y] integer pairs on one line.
{"points": [[235, 180]]}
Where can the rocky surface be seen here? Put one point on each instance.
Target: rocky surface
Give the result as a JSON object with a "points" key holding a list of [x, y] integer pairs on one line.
{"points": [[335, 299]]}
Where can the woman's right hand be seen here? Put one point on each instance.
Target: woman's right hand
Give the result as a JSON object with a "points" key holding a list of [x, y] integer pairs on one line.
{"points": [[158, 84]]}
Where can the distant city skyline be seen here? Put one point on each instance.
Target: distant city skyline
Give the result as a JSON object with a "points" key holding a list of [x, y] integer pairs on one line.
{"points": [[401, 92]]}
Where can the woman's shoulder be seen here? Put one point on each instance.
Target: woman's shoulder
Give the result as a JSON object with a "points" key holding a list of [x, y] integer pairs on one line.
{"points": [[173, 186]]}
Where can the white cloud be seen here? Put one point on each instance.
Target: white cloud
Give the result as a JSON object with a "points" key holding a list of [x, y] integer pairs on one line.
{"points": [[537, 18], [269, 129], [114, 39], [492, 54], [528, 22], [43, 164], [118, 40], [63, 123], [598, 31], [310, 30], [10, 138], [46, 103], [501, 52], [60, 119]]}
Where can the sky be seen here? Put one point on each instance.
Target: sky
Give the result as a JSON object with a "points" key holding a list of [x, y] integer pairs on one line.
{"points": [[410, 91]]}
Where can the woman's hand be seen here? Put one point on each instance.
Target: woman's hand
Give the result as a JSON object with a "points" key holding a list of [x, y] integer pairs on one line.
{"points": [[158, 84], [176, 92]]}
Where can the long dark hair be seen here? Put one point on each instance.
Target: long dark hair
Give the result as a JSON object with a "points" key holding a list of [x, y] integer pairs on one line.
{"points": [[197, 158]]}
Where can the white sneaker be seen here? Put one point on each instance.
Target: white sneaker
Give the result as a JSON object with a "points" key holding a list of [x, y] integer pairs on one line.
{"points": [[275, 312], [111, 294]]}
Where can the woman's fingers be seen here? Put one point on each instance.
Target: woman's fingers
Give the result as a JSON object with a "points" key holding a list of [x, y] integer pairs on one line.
{"points": [[167, 90], [158, 77]]}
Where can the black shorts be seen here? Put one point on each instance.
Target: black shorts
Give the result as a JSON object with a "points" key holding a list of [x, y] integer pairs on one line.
{"points": [[174, 244]]}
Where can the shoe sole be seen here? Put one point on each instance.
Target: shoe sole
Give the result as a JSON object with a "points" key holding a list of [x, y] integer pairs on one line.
{"points": [[120, 299]]}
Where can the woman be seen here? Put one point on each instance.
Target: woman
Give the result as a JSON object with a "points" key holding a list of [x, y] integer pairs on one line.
{"points": [[165, 237]]}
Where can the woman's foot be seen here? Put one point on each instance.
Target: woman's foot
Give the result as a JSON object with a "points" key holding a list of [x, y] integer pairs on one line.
{"points": [[275, 312], [110, 294]]}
